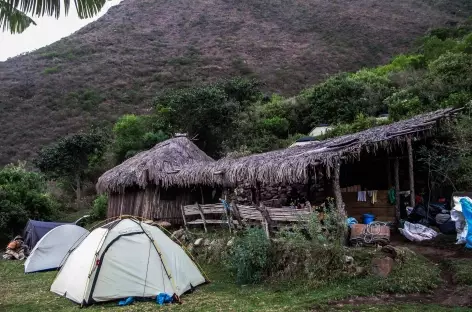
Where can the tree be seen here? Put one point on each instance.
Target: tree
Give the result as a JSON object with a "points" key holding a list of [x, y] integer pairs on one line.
{"points": [[23, 196], [69, 158], [14, 13], [134, 134]]}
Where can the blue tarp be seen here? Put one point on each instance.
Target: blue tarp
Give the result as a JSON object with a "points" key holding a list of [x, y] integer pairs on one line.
{"points": [[467, 212], [34, 230]]}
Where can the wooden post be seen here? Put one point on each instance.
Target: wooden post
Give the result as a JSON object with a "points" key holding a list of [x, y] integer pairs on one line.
{"points": [[183, 216], [397, 188], [411, 172], [337, 189], [266, 217], [203, 198], [203, 217], [237, 214]]}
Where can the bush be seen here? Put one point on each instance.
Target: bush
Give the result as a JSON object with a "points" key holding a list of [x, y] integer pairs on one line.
{"points": [[23, 196], [99, 208], [249, 258]]}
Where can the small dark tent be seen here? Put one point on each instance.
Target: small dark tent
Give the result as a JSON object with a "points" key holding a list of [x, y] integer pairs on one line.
{"points": [[35, 230]]}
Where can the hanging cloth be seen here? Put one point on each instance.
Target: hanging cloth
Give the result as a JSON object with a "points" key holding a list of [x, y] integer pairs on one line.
{"points": [[361, 196], [391, 196], [373, 197]]}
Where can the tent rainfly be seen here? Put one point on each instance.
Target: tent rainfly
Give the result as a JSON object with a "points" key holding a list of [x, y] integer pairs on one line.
{"points": [[126, 258], [53, 248], [35, 230]]}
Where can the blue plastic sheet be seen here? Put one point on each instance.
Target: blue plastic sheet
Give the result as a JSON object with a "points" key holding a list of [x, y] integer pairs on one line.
{"points": [[350, 221], [164, 298], [126, 302], [467, 212]]}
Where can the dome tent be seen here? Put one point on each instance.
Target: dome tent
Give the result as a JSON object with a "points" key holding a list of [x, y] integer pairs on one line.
{"points": [[53, 247], [126, 258], [35, 230]]}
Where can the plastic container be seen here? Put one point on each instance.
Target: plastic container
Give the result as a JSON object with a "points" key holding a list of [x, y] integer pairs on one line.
{"points": [[368, 218]]}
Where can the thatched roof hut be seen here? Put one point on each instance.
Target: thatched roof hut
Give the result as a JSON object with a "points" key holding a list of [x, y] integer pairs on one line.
{"points": [[155, 166], [143, 185], [291, 165]]}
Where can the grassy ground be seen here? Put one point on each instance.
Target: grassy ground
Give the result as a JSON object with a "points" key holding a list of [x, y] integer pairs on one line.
{"points": [[20, 293], [462, 271]]}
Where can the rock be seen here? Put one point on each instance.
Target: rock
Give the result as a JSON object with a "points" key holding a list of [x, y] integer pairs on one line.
{"points": [[382, 266], [348, 259], [198, 242], [230, 242], [178, 234], [360, 270], [206, 242]]}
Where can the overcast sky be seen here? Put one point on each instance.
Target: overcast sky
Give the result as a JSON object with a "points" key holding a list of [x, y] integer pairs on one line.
{"points": [[47, 31]]}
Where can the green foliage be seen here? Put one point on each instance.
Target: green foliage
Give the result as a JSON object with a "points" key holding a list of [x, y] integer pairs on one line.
{"points": [[23, 196], [462, 271], [134, 134], [342, 97], [51, 70], [208, 112], [249, 257], [88, 99], [69, 158], [99, 208], [362, 122]]}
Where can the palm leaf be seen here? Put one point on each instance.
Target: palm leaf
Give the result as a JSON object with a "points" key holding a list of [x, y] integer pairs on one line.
{"points": [[13, 20], [85, 8]]}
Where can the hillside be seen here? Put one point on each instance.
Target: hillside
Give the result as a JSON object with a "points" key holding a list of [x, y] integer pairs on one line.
{"points": [[118, 63]]}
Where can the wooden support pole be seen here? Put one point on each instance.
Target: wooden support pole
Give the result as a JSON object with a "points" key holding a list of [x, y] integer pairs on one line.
{"points": [[203, 217], [266, 216], [411, 172], [337, 189], [183, 216], [396, 170], [237, 214]]}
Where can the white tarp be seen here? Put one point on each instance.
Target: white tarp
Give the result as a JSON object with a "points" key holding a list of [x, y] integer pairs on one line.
{"points": [[458, 218], [53, 247], [417, 232], [130, 258]]}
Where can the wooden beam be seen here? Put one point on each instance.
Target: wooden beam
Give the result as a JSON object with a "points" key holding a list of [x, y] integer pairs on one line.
{"points": [[396, 170], [236, 213], [265, 215], [183, 216], [411, 172], [337, 189], [203, 217]]}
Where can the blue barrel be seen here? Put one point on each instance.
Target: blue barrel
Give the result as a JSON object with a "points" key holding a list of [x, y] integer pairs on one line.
{"points": [[368, 218]]}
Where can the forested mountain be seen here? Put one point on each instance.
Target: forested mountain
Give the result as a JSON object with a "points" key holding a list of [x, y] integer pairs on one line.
{"points": [[118, 64]]}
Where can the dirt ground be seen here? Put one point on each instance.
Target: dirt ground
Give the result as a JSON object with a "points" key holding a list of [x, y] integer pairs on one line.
{"points": [[448, 294]]}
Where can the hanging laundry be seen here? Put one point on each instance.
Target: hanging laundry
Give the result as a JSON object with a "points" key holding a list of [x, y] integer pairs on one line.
{"points": [[361, 196], [373, 196]]}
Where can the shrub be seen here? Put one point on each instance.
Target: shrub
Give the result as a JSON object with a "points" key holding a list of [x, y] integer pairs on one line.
{"points": [[249, 258], [99, 208], [23, 196], [51, 70]]}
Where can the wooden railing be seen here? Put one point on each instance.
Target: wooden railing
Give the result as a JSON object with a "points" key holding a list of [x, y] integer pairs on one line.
{"points": [[213, 214]]}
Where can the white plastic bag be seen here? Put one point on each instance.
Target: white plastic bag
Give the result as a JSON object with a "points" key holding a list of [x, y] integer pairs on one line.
{"points": [[417, 232]]}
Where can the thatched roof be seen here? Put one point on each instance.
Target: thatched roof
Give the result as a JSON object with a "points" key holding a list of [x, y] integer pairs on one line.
{"points": [[291, 165], [154, 166]]}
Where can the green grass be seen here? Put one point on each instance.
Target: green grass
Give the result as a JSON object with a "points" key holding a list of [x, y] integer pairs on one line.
{"points": [[462, 271], [21, 293], [51, 70]]}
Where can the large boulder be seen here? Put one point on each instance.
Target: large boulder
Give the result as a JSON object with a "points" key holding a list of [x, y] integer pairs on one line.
{"points": [[382, 266]]}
